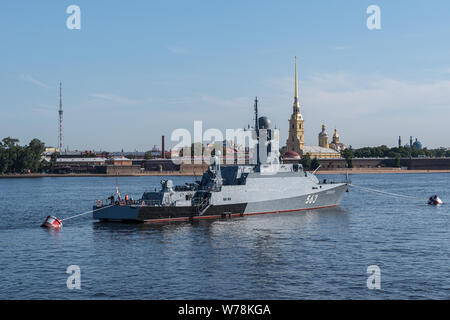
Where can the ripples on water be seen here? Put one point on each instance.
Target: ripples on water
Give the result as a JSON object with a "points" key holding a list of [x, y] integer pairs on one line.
{"points": [[307, 255]]}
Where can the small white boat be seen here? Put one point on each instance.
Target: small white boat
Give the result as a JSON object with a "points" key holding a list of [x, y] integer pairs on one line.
{"points": [[435, 200]]}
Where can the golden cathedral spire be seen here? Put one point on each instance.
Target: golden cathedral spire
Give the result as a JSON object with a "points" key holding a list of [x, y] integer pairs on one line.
{"points": [[295, 141], [296, 103]]}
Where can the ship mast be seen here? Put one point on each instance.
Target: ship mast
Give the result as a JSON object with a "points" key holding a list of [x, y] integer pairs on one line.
{"points": [[60, 112], [258, 160]]}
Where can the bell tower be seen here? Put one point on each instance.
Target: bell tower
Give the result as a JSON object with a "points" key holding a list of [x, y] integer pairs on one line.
{"points": [[295, 141], [323, 138], [335, 137]]}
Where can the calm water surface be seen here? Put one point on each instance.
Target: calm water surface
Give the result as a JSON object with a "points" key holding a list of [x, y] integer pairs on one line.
{"points": [[320, 254]]}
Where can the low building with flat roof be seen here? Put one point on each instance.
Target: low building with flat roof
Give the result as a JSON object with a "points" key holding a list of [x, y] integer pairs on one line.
{"points": [[119, 161]]}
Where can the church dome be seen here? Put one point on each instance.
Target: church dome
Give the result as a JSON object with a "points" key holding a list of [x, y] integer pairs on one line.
{"points": [[264, 123], [417, 144], [323, 133], [291, 155], [335, 135]]}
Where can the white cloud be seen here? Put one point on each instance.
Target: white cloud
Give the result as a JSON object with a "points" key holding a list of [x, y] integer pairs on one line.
{"points": [[45, 111], [178, 50], [113, 98], [354, 96], [28, 78]]}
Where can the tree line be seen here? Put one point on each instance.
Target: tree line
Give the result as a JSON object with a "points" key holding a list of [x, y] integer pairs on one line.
{"points": [[308, 163], [15, 158], [403, 152], [395, 153]]}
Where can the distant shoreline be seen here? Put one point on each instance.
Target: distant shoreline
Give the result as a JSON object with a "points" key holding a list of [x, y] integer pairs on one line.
{"points": [[191, 174], [58, 175], [370, 171]]}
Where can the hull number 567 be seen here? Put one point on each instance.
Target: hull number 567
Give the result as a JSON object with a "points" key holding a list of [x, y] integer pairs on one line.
{"points": [[312, 198]]}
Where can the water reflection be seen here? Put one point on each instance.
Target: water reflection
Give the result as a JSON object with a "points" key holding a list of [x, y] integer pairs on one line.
{"points": [[303, 220], [268, 240], [55, 232]]}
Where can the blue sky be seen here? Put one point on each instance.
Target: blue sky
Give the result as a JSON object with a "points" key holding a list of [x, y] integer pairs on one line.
{"points": [[140, 69]]}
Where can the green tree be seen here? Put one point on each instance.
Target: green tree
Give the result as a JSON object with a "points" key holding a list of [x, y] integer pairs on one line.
{"points": [[53, 158], [24, 159], [306, 161], [3, 159], [12, 151], [348, 156], [314, 164], [35, 149], [17, 159], [397, 161], [88, 155], [148, 155]]}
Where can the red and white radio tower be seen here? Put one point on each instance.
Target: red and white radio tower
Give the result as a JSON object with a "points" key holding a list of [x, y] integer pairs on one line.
{"points": [[60, 119]]}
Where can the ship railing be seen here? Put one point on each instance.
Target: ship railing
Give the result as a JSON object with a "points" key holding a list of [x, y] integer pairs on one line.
{"points": [[102, 203], [213, 188], [326, 181], [150, 203], [107, 202]]}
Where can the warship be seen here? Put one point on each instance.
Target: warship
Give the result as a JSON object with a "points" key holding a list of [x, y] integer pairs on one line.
{"points": [[237, 190]]}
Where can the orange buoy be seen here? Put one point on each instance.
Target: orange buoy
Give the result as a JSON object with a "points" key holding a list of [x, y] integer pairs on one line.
{"points": [[52, 222]]}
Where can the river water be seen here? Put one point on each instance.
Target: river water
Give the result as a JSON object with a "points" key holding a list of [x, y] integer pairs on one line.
{"points": [[321, 254]]}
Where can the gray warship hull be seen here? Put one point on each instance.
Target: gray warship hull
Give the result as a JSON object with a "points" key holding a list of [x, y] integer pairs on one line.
{"points": [[326, 195]]}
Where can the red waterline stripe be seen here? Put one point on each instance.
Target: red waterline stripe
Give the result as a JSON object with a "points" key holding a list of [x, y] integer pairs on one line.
{"points": [[236, 214]]}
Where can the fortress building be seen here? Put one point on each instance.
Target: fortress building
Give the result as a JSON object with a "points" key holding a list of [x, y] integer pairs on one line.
{"points": [[295, 144]]}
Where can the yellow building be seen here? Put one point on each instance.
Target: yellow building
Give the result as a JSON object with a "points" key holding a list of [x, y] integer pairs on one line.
{"points": [[50, 150], [119, 161], [321, 153], [296, 139]]}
